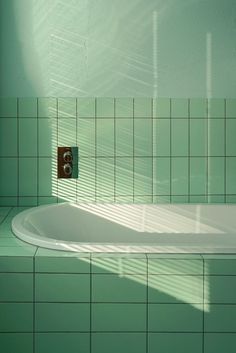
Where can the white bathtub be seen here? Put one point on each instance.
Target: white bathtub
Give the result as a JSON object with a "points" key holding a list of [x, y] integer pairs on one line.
{"points": [[130, 228]]}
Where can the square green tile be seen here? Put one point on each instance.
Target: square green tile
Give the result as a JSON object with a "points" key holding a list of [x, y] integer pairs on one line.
{"points": [[199, 199], [86, 107], [86, 181], [143, 176], [174, 317], [105, 177], [16, 317], [61, 317], [8, 201], [8, 137], [119, 342], [62, 287], [216, 108], [161, 199], [179, 108], [143, 199], [124, 137], [124, 107], [216, 199], [230, 175], [220, 289], [62, 342], [67, 132], [27, 107], [179, 176], [86, 137], [124, 176], [46, 137], [16, 287], [124, 199], [179, 137], [45, 182], [119, 265], [161, 137], [216, 137], [198, 176], [230, 198], [230, 137], [142, 107], [143, 137], [8, 107], [67, 107], [198, 108], [46, 200], [16, 342], [161, 108], [119, 317], [198, 137], [28, 201], [47, 107], [105, 137], [175, 342], [161, 176], [163, 266], [105, 107], [220, 318], [216, 175], [28, 176], [28, 137], [27, 250], [16, 264], [231, 108], [8, 176], [179, 199], [66, 190], [217, 342], [219, 267], [116, 288]]}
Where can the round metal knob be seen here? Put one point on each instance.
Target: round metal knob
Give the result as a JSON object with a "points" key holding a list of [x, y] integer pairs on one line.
{"points": [[67, 156], [67, 169]]}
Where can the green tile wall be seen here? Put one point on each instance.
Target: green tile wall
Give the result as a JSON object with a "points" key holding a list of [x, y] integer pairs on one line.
{"points": [[140, 150]]}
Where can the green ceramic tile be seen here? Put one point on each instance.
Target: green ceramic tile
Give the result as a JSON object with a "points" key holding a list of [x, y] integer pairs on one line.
{"points": [[230, 137], [28, 201], [66, 107], [216, 199], [45, 176], [8, 177], [16, 287], [119, 265], [216, 108], [86, 137], [28, 176], [217, 342], [8, 201], [161, 137], [143, 137], [16, 342], [67, 132], [8, 107], [179, 176], [175, 342], [66, 189], [198, 108], [8, 137], [216, 175], [105, 107], [11, 241], [86, 107], [16, 317], [174, 317], [179, 108], [231, 108], [28, 137], [199, 199], [47, 107], [216, 137], [175, 289], [198, 137], [116, 288], [105, 177], [198, 176], [62, 342], [27, 107], [124, 107], [46, 133], [124, 137], [231, 175], [179, 137], [86, 181], [124, 176], [143, 199], [105, 137], [61, 317], [161, 199], [124, 199], [142, 107], [175, 256], [219, 267], [175, 266], [161, 108], [142, 176], [119, 317], [230, 199], [161, 176], [27, 250], [118, 342], [180, 199], [45, 200], [220, 318], [16, 264], [220, 289]]}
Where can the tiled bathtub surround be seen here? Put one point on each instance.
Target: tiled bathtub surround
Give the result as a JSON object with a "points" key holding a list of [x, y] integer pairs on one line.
{"points": [[55, 301], [131, 150]]}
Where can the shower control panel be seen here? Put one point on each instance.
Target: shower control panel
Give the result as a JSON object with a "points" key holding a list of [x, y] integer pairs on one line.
{"points": [[67, 162]]}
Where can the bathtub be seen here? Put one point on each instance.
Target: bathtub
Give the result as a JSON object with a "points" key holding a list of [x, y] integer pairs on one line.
{"points": [[129, 228]]}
